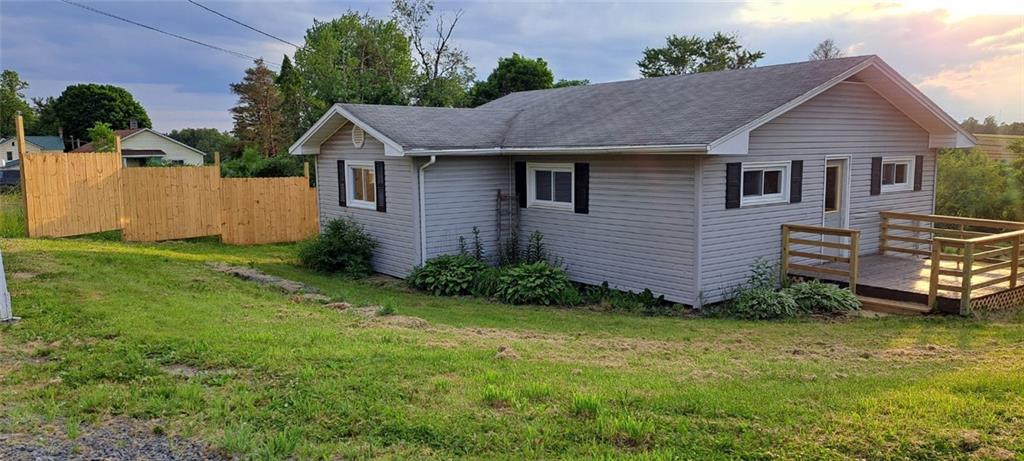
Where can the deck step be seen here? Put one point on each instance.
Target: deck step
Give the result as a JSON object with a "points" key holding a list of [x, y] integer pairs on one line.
{"points": [[890, 306]]}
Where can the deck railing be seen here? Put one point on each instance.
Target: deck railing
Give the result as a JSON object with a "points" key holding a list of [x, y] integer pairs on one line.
{"points": [[810, 237], [973, 250]]}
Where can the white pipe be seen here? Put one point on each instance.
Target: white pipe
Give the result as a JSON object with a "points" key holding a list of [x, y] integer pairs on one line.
{"points": [[423, 209]]}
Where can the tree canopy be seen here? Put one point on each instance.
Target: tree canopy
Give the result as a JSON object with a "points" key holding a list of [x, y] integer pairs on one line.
{"points": [[12, 101], [443, 73], [971, 184], [692, 54], [79, 107], [208, 140], [258, 112], [515, 73], [289, 86], [354, 58], [992, 126], [827, 49], [102, 137]]}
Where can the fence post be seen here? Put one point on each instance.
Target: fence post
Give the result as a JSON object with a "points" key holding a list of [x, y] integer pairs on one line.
{"points": [[933, 280], [854, 260], [19, 130], [1015, 258], [965, 284], [784, 262], [121, 218], [883, 236], [216, 161]]}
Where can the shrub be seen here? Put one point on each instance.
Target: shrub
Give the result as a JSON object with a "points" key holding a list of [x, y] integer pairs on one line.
{"points": [[485, 284], [537, 283], [762, 304], [643, 302], [447, 275], [818, 297], [343, 247]]}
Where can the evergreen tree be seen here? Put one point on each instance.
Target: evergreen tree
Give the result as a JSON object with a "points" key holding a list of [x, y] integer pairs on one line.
{"points": [[289, 85], [258, 112]]}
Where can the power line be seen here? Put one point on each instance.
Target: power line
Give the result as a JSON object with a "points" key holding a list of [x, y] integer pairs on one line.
{"points": [[242, 23], [171, 34]]}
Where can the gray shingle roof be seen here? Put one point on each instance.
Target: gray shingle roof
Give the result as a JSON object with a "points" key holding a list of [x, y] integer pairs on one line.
{"points": [[677, 110], [47, 143]]}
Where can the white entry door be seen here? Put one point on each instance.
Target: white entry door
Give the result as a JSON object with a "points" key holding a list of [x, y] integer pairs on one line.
{"points": [[836, 211]]}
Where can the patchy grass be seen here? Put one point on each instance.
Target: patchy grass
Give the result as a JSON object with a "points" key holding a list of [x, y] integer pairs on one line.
{"points": [[148, 331], [12, 215]]}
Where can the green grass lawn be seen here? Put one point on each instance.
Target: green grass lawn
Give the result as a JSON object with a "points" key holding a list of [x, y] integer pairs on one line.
{"points": [[106, 324], [12, 215]]}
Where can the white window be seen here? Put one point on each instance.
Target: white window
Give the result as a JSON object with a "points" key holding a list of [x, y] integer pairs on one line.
{"points": [[897, 174], [549, 185], [765, 183], [361, 185]]}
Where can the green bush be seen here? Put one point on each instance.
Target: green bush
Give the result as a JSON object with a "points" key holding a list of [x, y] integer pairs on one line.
{"points": [[762, 304], [818, 297], [643, 302], [343, 247], [447, 275], [536, 283], [253, 165], [485, 284]]}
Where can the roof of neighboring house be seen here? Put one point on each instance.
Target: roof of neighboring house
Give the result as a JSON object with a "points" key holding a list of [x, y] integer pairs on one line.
{"points": [[126, 134], [696, 112], [48, 143]]}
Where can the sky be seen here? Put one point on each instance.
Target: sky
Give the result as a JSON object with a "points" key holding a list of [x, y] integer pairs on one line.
{"points": [[968, 56]]}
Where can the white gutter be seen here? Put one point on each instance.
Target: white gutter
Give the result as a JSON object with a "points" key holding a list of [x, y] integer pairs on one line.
{"points": [[423, 209]]}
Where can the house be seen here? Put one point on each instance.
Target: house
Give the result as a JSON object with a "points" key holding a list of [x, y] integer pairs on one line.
{"points": [[9, 148], [141, 144], [676, 184], [995, 146]]}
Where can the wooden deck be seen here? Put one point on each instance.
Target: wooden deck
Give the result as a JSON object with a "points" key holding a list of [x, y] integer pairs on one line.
{"points": [[906, 278]]}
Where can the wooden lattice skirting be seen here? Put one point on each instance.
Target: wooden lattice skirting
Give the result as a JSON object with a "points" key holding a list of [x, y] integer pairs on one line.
{"points": [[1003, 300]]}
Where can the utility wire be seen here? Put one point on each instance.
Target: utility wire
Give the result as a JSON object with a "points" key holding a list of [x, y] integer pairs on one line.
{"points": [[242, 23], [171, 34]]}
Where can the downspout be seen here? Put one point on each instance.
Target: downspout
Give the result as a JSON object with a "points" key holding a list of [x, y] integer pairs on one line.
{"points": [[423, 209]]}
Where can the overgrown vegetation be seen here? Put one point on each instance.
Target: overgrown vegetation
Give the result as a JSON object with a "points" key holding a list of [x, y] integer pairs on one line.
{"points": [[973, 185], [759, 298], [343, 247], [12, 215], [447, 275], [253, 165], [536, 283]]}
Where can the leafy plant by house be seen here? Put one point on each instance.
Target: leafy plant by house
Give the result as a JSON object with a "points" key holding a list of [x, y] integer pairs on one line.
{"points": [[536, 283], [447, 275], [819, 297], [763, 304], [643, 302], [343, 247]]}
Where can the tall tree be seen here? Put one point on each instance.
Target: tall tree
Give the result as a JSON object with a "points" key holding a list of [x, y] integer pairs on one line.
{"points": [[692, 54], [562, 83], [444, 75], [289, 85], [208, 140], [827, 49], [47, 123], [12, 101], [79, 107], [354, 58], [258, 112], [515, 73], [101, 136], [990, 125]]}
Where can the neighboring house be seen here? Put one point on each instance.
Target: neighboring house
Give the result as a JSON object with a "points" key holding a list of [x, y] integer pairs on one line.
{"points": [[994, 145], [676, 184], [9, 147], [140, 145]]}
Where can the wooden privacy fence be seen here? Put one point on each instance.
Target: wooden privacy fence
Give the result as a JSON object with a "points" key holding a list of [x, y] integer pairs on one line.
{"points": [[82, 193]]}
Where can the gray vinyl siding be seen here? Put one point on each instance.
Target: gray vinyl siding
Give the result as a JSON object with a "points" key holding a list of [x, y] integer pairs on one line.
{"points": [[461, 192], [640, 232], [848, 119], [395, 230]]}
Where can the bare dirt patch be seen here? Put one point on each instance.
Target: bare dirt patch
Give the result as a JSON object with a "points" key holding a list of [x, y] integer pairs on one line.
{"points": [[255, 275], [114, 439], [23, 275]]}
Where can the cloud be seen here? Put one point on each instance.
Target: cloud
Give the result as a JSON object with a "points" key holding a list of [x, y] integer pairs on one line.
{"points": [[808, 11], [990, 87]]}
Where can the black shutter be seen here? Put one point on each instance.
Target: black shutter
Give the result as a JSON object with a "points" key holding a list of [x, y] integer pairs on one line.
{"points": [[876, 175], [378, 177], [796, 181], [918, 172], [582, 188], [733, 176], [521, 183], [342, 191]]}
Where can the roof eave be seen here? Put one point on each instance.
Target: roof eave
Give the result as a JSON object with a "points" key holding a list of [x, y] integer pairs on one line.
{"points": [[658, 149], [327, 125]]}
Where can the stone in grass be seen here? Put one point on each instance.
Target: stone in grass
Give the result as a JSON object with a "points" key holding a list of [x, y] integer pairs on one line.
{"points": [[506, 353], [338, 306]]}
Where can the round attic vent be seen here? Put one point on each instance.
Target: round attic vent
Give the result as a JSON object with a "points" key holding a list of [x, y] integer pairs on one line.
{"points": [[358, 136]]}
